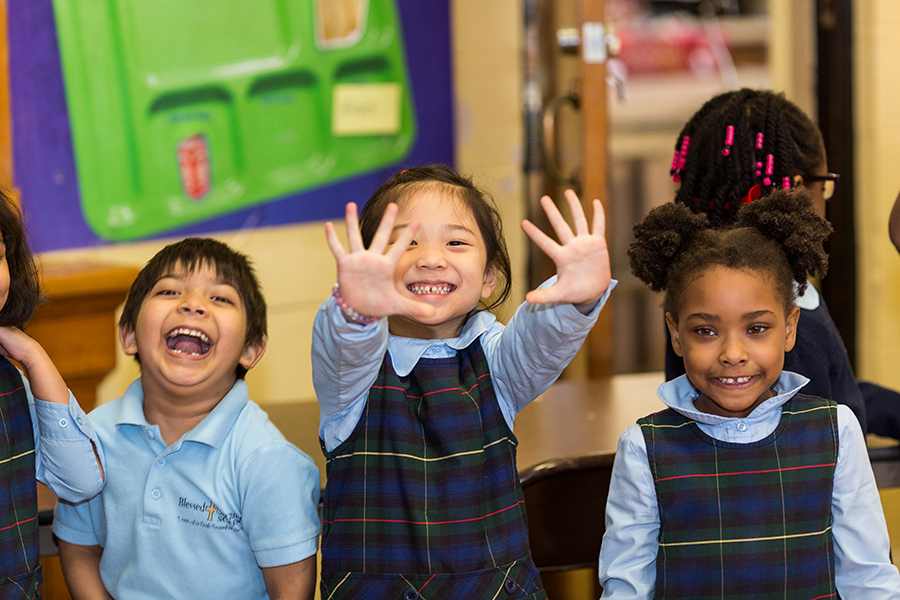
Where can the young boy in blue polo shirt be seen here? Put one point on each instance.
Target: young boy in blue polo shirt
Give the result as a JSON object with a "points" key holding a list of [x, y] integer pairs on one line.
{"points": [[204, 497]]}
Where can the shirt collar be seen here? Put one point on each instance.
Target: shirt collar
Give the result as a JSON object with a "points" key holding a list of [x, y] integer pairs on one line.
{"points": [[809, 299], [679, 395], [210, 431], [406, 352]]}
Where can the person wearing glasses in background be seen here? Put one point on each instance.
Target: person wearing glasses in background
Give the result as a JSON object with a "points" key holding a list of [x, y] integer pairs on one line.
{"points": [[740, 146]]}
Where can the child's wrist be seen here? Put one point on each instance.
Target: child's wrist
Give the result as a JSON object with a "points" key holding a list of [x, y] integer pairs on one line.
{"points": [[348, 311]]}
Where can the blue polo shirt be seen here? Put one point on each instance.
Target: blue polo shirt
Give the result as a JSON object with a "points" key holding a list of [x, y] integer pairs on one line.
{"points": [[196, 519]]}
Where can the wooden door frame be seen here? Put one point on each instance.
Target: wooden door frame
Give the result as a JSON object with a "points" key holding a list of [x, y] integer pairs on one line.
{"points": [[595, 156]]}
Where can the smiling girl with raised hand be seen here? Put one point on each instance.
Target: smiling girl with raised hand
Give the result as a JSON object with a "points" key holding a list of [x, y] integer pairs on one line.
{"points": [[744, 486], [419, 387]]}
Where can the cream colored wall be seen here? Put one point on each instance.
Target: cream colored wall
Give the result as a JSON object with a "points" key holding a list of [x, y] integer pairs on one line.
{"points": [[294, 264], [877, 122]]}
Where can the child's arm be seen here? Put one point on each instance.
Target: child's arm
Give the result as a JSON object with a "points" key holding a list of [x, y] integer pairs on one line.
{"points": [[66, 450], [81, 570], [631, 542], [581, 258], [296, 581], [862, 561], [894, 223]]}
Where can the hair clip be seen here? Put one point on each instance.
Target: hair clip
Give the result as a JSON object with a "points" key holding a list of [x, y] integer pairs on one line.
{"points": [[759, 141], [729, 140]]}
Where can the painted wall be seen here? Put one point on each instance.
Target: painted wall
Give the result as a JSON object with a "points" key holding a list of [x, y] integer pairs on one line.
{"points": [[294, 263], [877, 88]]}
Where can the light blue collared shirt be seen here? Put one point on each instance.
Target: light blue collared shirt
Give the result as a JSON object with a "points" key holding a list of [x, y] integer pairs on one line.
{"points": [[198, 518], [64, 444], [524, 357], [861, 546]]}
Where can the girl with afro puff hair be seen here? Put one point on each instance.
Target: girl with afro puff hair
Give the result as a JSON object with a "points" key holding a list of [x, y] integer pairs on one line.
{"points": [[744, 486]]}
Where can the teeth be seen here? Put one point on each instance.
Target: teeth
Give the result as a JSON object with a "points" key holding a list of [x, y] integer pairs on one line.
{"points": [[421, 288], [191, 332], [733, 380]]}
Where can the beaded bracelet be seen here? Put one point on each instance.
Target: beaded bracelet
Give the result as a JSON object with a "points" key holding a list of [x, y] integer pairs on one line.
{"points": [[349, 312]]}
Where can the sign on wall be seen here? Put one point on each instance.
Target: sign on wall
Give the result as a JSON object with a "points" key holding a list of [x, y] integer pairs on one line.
{"points": [[135, 119]]}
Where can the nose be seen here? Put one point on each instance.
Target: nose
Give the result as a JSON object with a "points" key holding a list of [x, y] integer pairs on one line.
{"points": [[733, 351], [192, 303], [430, 256]]}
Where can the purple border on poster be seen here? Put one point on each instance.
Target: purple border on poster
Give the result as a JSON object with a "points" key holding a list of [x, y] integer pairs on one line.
{"points": [[44, 165]]}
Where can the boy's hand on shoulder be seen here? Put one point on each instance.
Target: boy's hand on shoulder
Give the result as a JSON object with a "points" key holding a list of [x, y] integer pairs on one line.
{"points": [[366, 275], [581, 257]]}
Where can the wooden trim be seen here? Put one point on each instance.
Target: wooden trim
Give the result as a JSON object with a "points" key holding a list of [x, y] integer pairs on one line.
{"points": [[595, 161], [6, 164]]}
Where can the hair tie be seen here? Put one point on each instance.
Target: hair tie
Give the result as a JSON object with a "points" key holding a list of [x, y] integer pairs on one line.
{"points": [[754, 193], [729, 140]]}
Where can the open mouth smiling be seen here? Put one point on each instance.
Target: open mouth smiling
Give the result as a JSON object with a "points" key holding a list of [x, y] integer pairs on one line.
{"points": [[421, 289], [191, 342]]}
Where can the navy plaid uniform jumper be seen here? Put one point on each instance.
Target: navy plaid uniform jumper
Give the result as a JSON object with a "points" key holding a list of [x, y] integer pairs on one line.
{"points": [[20, 567], [423, 500], [745, 520]]}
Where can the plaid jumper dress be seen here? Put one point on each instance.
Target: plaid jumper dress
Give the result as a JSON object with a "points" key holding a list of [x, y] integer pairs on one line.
{"points": [[423, 500], [745, 520], [20, 568]]}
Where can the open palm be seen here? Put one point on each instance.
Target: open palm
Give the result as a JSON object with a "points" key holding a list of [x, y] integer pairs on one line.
{"points": [[366, 275], [581, 257]]}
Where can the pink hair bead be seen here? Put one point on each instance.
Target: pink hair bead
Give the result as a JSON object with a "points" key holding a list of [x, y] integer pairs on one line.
{"points": [[729, 140], [759, 141], [770, 164], [675, 160], [786, 183], [767, 181]]}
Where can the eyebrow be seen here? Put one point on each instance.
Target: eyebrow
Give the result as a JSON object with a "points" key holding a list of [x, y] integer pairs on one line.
{"points": [[756, 314], [447, 227]]}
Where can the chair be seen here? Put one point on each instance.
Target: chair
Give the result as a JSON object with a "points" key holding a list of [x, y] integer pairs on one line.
{"points": [[886, 466], [565, 501]]}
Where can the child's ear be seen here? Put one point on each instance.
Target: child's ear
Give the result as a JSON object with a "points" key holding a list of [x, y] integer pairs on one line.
{"points": [[127, 338], [490, 282], [673, 333], [791, 328], [252, 353]]}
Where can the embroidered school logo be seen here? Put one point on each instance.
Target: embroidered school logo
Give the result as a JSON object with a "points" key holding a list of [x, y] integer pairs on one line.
{"points": [[208, 515]]}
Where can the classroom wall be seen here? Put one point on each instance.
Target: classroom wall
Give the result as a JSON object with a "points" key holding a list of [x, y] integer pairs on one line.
{"points": [[297, 270], [876, 89], [294, 263]]}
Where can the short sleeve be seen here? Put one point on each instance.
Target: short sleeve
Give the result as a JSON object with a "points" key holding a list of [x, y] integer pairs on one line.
{"points": [[75, 523], [280, 492]]}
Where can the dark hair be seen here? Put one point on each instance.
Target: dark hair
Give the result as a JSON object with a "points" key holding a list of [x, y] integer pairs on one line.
{"points": [[190, 254], [780, 235], [712, 182], [484, 209], [24, 292]]}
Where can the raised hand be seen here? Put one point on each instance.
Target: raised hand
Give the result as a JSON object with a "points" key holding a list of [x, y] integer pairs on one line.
{"points": [[46, 382], [366, 276], [581, 258]]}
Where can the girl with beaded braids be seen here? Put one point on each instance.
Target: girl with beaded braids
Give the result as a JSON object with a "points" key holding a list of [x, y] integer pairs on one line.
{"points": [[738, 147], [745, 486]]}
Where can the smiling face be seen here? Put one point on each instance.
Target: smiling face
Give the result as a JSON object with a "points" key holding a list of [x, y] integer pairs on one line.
{"points": [[190, 334], [732, 331], [445, 265]]}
